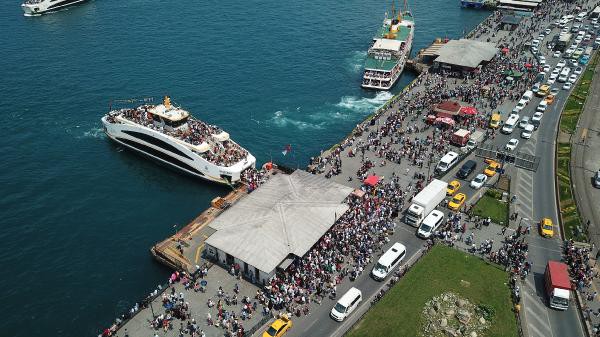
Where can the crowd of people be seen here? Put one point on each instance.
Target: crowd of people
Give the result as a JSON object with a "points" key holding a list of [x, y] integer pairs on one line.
{"points": [[343, 252]]}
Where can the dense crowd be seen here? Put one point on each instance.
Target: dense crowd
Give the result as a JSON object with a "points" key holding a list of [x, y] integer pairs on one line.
{"points": [[344, 251]]}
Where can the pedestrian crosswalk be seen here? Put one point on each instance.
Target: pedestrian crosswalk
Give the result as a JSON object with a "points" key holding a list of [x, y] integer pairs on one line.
{"points": [[524, 193]]}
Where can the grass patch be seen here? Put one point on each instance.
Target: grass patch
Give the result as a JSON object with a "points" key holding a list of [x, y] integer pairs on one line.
{"points": [[568, 209], [490, 206], [575, 102], [443, 269]]}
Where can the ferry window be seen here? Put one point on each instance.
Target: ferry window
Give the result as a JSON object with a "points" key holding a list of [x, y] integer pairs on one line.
{"points": [[157, 142]]}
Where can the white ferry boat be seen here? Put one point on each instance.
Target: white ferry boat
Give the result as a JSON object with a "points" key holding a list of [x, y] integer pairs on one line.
{"points": [[172, 136], [389, 51], [37, 7]]}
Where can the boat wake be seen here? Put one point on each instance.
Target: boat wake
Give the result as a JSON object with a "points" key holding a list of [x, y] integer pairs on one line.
{"points": [[92, 133], [348, 108], [364, 105], [356, 61]]}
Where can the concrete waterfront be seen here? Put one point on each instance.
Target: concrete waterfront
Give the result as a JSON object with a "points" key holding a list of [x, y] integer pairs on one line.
{"points": [[416, 148]]}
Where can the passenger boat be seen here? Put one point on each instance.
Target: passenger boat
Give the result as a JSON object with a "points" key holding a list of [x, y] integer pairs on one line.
{"points": [[38, 7], [390, 49], [170, 135]]}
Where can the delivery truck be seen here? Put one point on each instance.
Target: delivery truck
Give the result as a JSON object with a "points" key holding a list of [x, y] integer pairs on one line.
{"points": [[558, 285], [460, 137], [474, 140], [425, 202]]}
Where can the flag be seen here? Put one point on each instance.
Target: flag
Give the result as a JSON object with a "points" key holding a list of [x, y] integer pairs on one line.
{"points": [[287, 149]]}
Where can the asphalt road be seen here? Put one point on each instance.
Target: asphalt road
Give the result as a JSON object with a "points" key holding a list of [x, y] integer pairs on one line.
{"points": [[536, 199]]}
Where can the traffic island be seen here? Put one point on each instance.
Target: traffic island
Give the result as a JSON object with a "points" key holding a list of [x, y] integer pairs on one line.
{"points": [[491, 205], [442, 270], [569, 214]]}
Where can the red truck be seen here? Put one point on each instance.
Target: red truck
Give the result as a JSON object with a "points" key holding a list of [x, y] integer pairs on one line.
{"points": [[460, 137], [558, 285]]}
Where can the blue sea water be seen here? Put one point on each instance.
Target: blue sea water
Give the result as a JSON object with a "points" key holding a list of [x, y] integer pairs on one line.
{"points": [[77, 213]]}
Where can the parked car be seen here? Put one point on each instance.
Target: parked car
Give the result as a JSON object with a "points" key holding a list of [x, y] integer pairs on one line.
{"points": [[554, 91], [567, 86], [597, 179], [512, 144], [524, 121], [578, 70], [479, 181], [573, 78], [453, 186], [536, 117]]}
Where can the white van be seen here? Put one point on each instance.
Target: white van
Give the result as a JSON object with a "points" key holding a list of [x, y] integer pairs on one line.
{"points": [[389, 260], [580, 17], [447, 161], [527, 96], [510, 123], [430, 224], [346, 304]]}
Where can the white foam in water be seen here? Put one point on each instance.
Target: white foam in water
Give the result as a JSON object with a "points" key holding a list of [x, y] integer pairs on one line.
{"points": [[347, 108], [93, 133], [364, 104], [356, 61], [281, 120]]}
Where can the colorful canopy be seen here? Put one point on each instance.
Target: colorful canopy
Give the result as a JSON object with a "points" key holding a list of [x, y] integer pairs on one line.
{"points": [[372, 180], [468, 111]]}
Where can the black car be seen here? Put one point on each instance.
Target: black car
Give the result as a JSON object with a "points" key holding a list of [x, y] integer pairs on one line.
{"points": [[466, 169]]}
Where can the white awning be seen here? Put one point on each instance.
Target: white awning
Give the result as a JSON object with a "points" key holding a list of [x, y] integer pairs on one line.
{"points": [[387, 44], [202, 147], [221, 137]]}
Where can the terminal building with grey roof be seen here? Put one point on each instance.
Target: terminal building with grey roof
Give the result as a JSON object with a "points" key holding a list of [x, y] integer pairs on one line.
{"points": [[464, 55], [277, 223]]}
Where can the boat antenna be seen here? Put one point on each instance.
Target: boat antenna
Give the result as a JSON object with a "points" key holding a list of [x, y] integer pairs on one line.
{"points": [[393, 8]]}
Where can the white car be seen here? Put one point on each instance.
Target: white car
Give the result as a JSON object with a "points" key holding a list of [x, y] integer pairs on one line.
{"points": [[547, 68], [567, 86], [554, 91], [578, 70], [573, 62], [527, 131], [556, 54], [537, 116], [522, 103], [562, 63], [535, 42], [548, 31], [478, 181], [542, 60], [512, 144], [551, 80], [578, 39], [573, 78], [524, 122]]}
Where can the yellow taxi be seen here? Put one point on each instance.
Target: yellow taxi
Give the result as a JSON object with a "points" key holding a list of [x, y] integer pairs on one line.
{"points": [[549, 99], [546, 228], [495, 120], [490, 170], [544, 90], [453, 186], [279, 327], [456, 202]]}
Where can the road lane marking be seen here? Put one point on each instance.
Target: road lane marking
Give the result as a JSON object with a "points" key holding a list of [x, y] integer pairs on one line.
{"points": [[198, 252]]}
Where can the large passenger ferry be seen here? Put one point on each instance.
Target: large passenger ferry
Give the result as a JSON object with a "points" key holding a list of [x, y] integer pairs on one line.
{"points": [[37, 7], [170, 135], [389, 51]]}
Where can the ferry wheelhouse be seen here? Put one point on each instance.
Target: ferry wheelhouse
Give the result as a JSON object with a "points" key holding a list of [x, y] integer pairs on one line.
{"points": [[390, 49], [172, 136]]}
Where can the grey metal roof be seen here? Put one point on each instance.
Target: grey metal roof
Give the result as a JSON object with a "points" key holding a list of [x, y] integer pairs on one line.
{"points": [[288, 214], [466, 53]]}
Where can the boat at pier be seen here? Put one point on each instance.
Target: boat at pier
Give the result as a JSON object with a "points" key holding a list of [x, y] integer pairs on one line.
{"points": [[472, 3], [390, 49], [38, 7], [171, 135]]}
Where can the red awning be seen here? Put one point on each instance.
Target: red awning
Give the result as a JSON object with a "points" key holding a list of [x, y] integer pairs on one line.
{"points": [[505, 50], [372, 180], [528, 65], [446, 120], [468, 111]]}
